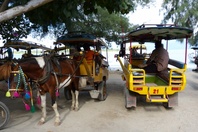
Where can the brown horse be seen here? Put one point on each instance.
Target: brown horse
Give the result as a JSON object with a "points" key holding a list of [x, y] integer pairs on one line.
{"points": [[49, 75], [5, 73]]}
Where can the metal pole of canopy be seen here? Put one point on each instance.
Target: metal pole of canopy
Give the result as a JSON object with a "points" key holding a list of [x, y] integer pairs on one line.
{"points": [[107, 55], [141, 49], [130, 55], [167, 45], [186, 50]]}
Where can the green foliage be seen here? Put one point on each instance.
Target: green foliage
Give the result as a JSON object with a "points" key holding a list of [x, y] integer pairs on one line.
{"points": [[14, 29], [103, 24], [123, 6], [183, 13], [104, 18]]}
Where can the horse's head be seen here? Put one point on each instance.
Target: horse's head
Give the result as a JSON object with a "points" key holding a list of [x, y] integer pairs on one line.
{"points": [[21, 72], [17, 81]]}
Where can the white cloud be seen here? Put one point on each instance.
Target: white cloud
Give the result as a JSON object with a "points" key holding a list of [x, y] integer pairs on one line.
{"points": [[147, 15]]}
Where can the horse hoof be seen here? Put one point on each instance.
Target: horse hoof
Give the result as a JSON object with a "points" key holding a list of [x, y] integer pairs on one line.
{"points": [[76, 109], [40, 123], [57, 124], [72, 108]]}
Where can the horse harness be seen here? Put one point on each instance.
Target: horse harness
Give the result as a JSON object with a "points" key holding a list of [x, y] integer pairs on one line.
{"points": [[48, 68]]}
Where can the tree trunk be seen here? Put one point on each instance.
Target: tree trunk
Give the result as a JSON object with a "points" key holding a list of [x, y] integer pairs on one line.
{"points": [[18, 10]]}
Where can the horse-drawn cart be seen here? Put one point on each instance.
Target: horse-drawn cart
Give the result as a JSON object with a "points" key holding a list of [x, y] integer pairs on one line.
{"points": [[93, 72], [26, 48], [50, 72], [15, 46], [154, 87]]}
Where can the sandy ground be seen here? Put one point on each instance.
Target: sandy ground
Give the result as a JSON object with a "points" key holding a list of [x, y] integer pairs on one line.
{"points": [[110, 115]]}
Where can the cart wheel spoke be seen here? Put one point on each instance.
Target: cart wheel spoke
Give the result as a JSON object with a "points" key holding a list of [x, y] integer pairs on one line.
{"points": [[4, 115]]}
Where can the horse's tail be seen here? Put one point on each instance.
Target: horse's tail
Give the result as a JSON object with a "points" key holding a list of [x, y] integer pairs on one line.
{"points": [[5, 71]]}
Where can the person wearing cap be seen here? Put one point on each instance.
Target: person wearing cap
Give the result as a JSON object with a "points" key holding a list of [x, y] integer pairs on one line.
{"points": [[158, 61]]}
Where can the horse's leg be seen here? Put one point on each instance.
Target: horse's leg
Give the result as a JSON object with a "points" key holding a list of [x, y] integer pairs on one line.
{"points": [[73, 100], [74, 105], [75, 94], [43, 108], [76, 100], [57, 115], [55, 107], [75, 88]]}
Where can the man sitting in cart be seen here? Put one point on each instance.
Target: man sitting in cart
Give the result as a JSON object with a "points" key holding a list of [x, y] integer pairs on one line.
{"points": [[92, 55], [158, 61], [135, 54], [77, 55]]}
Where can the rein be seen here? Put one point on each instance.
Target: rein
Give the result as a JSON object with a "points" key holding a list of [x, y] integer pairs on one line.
{"points": [[48, 69], [73, 72]]}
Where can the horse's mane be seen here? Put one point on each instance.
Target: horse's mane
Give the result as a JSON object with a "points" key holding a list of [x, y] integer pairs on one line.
{"points": [[5, 71]]}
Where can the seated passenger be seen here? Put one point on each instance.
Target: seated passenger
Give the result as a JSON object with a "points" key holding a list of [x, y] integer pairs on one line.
{"points": [[76, 54], [135, 54], [89, 54], [24, 55], [92, 55], [27, 55], [158, 61]]}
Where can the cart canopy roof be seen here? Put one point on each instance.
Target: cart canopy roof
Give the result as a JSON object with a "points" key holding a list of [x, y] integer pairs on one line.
{"points": [[152, 33], [25, 45], [80, 39]]}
